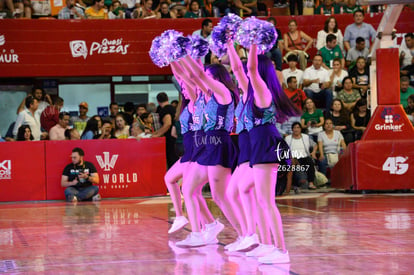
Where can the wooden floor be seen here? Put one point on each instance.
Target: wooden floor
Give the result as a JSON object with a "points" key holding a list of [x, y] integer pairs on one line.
{"points": [[326, 233]]}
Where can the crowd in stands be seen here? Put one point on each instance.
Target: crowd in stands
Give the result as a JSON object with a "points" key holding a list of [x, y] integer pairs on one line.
{"points": [[126, 9]]}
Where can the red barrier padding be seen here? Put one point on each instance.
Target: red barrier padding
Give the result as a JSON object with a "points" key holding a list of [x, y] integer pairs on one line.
{"points": [[342, 174], [52, 48], [388, 79], [22, 171], [126, 168]]}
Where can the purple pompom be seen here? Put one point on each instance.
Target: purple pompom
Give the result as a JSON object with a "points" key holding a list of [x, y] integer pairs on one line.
{"points": [[174, 45], [225, 30], [157, 58], [258, 32], [199, 46]]}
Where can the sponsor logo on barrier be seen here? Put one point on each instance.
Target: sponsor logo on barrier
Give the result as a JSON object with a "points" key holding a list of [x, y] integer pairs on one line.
{"points": [[391, 122], [7, 56], [5, 170], [395, 165], [117, 180], [79, 48]]}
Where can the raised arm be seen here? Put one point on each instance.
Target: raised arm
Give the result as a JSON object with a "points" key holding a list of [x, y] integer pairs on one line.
{"points": [[237, 67], [179, 74], [262, 95]]}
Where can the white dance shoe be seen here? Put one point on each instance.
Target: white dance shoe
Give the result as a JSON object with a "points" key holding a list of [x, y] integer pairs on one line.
{"points": [[194, 239], [178, 223], [261, 250], [275, 257]]}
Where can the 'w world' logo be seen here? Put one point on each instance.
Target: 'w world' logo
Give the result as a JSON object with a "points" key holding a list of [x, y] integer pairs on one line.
{"points": [[106, 163]]}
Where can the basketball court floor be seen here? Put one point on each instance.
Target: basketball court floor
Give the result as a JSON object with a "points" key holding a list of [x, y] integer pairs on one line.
{"points": [[326, 233]]}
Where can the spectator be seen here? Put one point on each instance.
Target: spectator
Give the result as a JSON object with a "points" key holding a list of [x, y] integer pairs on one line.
{"points": [[406, 90], [129, 110], [50, 116], [165, 11], [113, 110], [195, 11], [330, 142], [43, 99], [276, 52], [179, 7], [359, 29], [97, 10], [155, 116], [128, 6], [145, 11], [293, 40], [10, 12], [167, 114], [360, 118], [299, 4], [330, 52], [341, 120], [360, 76], [141, 109], [407, 57], [329, 7], [121, 129], [410, 108], [312, 119], [355, 52], [24, 133], [147, 121], [337, 77], [292, 71], [245, 7], [331, 27], [316, 82], [79, 122], [348, 96], [296, 95], [116, 11], [72, 134], [30, 117], [71, 11], [300, 145], [78, 177], [174, 103], [22, 6], [107, 131], [57, 132], [91, 129], [351, 6], [221, 7]]}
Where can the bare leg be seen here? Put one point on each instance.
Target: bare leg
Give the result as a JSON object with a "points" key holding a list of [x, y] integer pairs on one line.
{"points": [[205, 214], [265, 176], [248, 200], [171, 178], [10, 6]]}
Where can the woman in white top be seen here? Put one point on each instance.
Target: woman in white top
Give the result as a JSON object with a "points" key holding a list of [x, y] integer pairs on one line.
{"points": [[329, 142], [337, 75], [331, 27]]}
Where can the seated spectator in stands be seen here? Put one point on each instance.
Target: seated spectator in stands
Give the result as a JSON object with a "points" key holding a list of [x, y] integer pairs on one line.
{"points": [[30, 117], [312, 119], [22, 8], [113, 111], [330, 142], [330, 27], [107, 131], [360, 118], [407, 57], [43, 100], [276, 52], [152, 108], [24, 133], [50, 116], [360, 76], [355, 52], [330, 52], [292, 71], [359, 29], [128, 6], [222, 7], [351, 6], [78, 177], [409, 110], [296, 95], [10, 12], [79, 122], [195, 11], [129, 110], [329, 7], [348, 95], [293, 40], [245, 7], [165, 11], [179, 7], [337, 77], [92, 129], [97, 10], [341, 120], [57, 132], [72, 134], [406, 90], [300, 145], [145, 11], [316, 82], [147, 121], [121, 129], [116, 11], [71, 11], [299, 4]]}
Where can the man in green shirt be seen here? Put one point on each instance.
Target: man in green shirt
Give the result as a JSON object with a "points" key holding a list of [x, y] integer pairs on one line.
{"points": [[351, 7], [328, 8], [330, 52], [406, 90]]}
